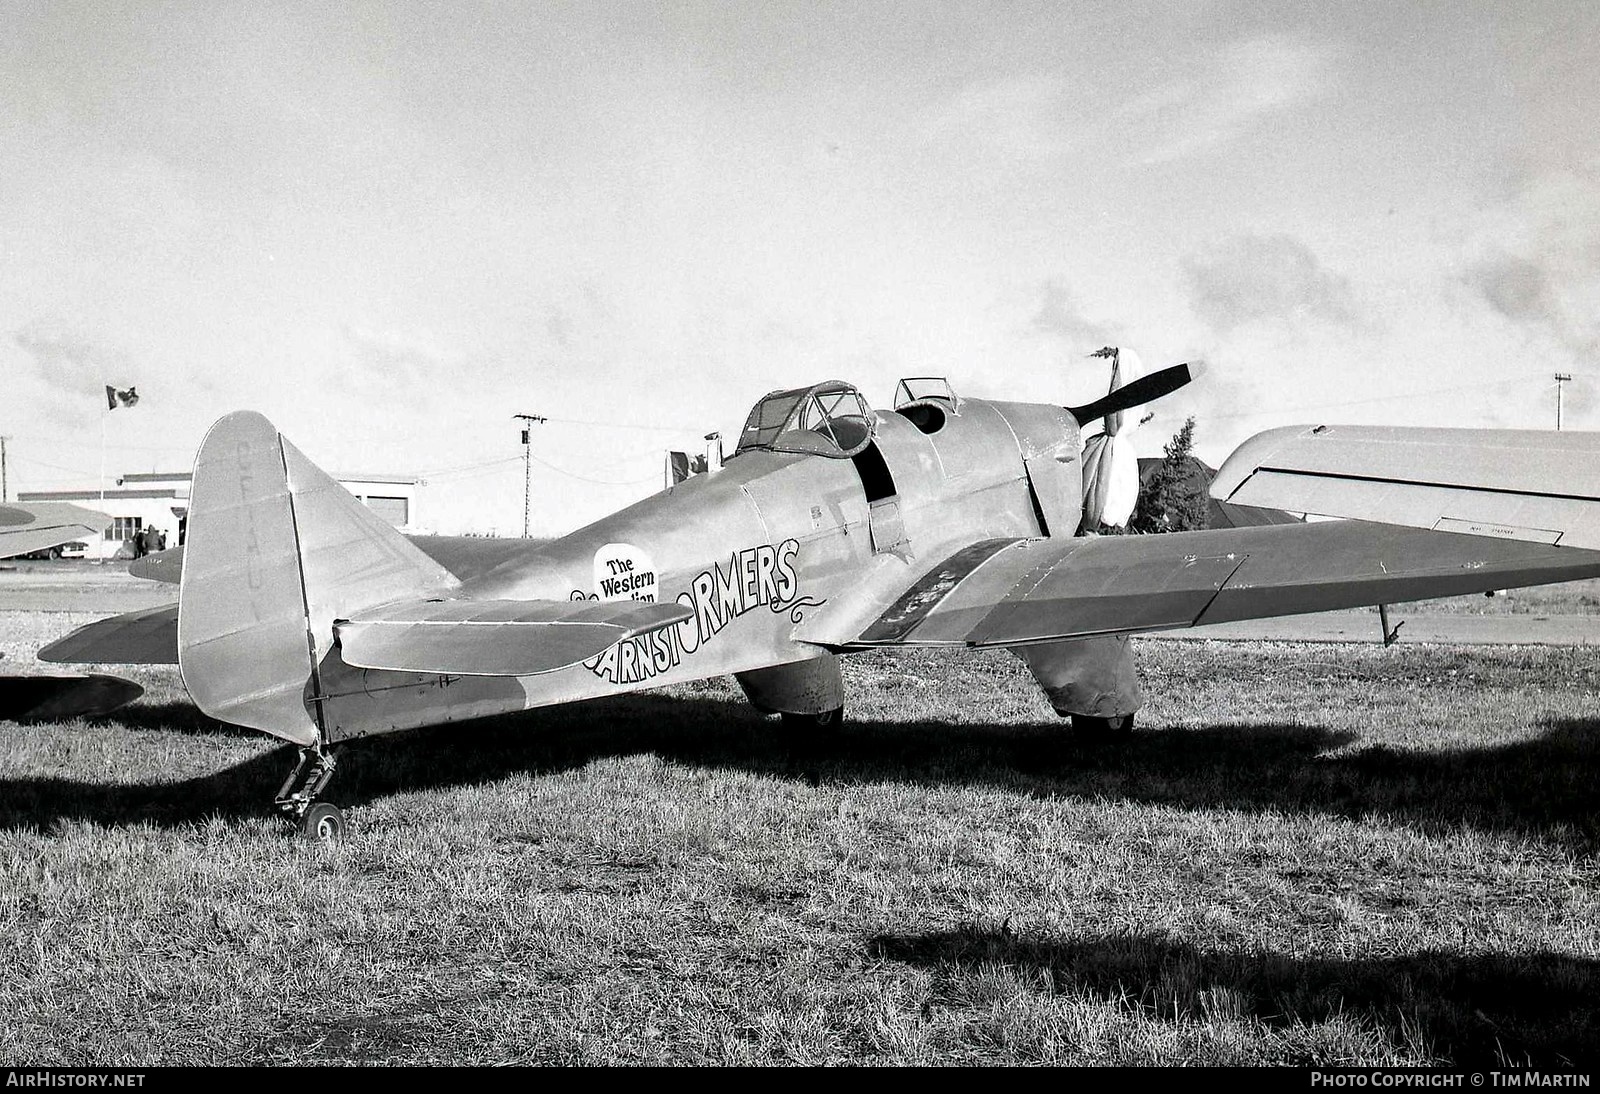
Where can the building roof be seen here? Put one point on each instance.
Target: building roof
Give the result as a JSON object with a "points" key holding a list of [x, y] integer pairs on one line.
{"points": [[185, 476], [115, 493]]}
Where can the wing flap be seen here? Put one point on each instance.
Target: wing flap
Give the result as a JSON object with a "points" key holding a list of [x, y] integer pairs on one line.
{"points": [[496, 637], [1046, 590]]}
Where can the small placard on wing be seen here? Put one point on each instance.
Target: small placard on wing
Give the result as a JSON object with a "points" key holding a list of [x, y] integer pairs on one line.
{"points": [[1496, 531]]}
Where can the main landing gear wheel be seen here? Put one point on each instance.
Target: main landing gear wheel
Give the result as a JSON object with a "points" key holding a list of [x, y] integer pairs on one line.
{"points": [[1102, 729], [324, 823], [825, 723]]}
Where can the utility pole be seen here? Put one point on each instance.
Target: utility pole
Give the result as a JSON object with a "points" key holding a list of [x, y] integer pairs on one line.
{"points": [[1561, 378], [5, 489], [528, 421]]}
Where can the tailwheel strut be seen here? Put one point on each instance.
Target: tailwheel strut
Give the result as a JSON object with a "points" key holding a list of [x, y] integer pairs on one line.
{"points": [[297, 798]]}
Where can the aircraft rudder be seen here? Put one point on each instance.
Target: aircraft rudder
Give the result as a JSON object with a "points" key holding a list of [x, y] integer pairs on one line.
{"points": [[276, 550]]}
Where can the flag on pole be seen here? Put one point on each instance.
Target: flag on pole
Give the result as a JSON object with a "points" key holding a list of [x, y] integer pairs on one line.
{"points": [[115, 398], [677, 467], [681, 465]]}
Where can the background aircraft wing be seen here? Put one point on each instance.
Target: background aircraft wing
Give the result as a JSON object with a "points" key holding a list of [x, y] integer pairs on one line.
{"points": [[39, 525], [1013, 592], [1511, 483]]}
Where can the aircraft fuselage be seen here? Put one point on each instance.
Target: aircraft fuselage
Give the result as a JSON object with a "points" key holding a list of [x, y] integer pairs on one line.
{"points": [[773, 549]]}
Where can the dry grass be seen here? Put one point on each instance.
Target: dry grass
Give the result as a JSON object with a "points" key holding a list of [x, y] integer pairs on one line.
{"points": [[1309, 855]]}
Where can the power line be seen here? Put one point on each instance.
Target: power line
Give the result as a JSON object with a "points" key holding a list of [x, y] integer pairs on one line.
{"points": [[625, 425], [1359, 402], [597, 482], [459, 469]]}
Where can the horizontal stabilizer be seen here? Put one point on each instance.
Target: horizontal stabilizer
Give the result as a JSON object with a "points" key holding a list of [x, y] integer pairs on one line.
{"points": [[1015, 592], [145, 637], [496, 637], [164, 566], [1524, 484]]}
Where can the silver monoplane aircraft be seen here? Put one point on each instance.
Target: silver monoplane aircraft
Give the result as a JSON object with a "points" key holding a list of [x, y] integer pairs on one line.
{"points": [[946, 522]]}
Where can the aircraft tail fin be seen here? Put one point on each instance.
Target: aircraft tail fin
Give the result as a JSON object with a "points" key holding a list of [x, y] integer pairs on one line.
{"points": [[276, 551]]}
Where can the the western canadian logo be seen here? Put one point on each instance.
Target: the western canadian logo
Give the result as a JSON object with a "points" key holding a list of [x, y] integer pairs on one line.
{"points": [[624, 572], [755, 577]]}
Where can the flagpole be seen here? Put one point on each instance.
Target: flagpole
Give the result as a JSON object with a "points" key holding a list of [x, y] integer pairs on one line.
{"points": [[101, 552]]}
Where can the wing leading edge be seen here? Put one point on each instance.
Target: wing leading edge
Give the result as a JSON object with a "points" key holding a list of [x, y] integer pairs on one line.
{"points": [[1015, 592], [1532, 485]]}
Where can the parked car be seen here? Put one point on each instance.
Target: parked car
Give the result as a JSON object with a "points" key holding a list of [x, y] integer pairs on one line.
{"points": [[75, 549]]}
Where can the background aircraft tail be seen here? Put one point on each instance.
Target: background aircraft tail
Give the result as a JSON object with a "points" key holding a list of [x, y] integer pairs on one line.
{"points": [[276, 552]]}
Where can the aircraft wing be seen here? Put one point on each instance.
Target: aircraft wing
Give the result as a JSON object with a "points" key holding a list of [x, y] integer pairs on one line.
{"points": [[145, 637], [39, 525], [1532, 485], [1009, 592]]}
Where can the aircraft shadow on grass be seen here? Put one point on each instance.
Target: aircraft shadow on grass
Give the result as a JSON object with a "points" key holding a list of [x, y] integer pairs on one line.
{"points": [[1478, 1010], [1541, 788]]}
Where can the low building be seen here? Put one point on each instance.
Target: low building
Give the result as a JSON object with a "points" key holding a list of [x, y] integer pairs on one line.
{"points": [[161, 501]]}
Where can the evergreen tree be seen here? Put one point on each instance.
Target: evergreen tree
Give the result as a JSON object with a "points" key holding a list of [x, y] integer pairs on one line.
{"points": [[1174, 499]]}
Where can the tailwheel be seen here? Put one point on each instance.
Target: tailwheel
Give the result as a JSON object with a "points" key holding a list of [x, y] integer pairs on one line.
{"points": [[297, 798], [825, 723], [324, 823], [1092, 728]]}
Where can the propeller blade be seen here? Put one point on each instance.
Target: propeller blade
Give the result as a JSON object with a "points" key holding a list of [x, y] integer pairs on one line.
{"points": [[1140, 391]]}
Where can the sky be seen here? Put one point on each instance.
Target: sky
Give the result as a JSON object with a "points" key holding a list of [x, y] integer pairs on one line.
{"points": [[391, 226]]}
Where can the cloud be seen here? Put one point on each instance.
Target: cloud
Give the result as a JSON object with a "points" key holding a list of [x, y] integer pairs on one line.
{"points": [[66, 361], [71, 369], [1516, 287], [1223, 95], [1060, 316], [558, 324], [1206, 99], [390, 355], [1535, 259], [1018, 115], [1254, 279]]}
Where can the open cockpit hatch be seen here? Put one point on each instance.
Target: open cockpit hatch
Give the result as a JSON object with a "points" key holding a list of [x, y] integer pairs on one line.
{"points": [[925, 401]]}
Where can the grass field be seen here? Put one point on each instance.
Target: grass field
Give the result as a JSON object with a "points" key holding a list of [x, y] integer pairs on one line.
{"points": [[1324, 854]]}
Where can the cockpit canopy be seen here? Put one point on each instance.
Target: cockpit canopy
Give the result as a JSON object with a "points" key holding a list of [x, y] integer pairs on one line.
{"points": [[926, 389], [827, 419]]}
